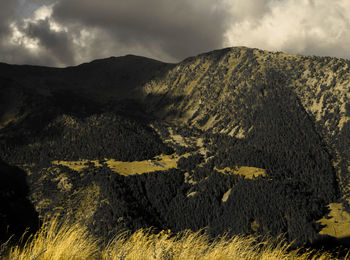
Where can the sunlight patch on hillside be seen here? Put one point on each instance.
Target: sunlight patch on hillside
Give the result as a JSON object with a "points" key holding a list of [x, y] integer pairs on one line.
{"points": [[343, 120], [158, 163], [338, 223], [77, 165], [245, 171]]}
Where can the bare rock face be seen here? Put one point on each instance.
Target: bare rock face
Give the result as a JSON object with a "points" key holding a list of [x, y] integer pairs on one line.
{"points": [[258, 142]]}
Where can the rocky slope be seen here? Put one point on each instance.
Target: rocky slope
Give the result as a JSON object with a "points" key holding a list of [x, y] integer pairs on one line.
{"points": [[238, 140]]}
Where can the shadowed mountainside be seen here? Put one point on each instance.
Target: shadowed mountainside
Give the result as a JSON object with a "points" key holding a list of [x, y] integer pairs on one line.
{"points": [[17, 213], [215, 115]]}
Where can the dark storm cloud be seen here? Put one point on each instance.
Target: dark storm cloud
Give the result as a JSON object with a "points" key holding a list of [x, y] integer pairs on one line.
{"points": [[14, 46], [7, 15], [58, 44], [176, 29]]}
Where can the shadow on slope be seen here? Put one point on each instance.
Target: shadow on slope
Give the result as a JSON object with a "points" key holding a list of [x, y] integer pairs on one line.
{"points": [[338, 247], [117, 130], [58, 110], [17, 213], [39, 94]]}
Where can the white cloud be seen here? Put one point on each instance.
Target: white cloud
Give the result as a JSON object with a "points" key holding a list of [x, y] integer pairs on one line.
{"points": [[42, 12], [296, 26], [18, 38], [251, 10]]}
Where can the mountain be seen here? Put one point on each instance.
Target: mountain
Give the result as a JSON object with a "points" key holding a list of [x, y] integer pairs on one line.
{"points": [[238, 140]]}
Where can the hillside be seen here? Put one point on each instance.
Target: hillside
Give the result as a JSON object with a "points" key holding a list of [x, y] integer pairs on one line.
{"points": [[238, 140]]}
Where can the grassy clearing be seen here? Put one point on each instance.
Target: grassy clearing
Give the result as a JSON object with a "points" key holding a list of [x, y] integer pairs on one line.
{"points": [[338, 223], [245, 171], [72, 241], [159, 163], [77, 165]]}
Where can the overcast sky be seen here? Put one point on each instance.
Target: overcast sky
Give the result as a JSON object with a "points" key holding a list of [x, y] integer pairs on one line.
{"points": [[69, 32]]}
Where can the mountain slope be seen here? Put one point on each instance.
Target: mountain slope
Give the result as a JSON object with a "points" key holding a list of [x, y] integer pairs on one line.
{"points": [[215, 117], [225, 90]]}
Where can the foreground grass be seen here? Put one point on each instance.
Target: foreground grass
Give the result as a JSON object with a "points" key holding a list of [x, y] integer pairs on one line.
{"points": [[55, 241], [64, 242]]}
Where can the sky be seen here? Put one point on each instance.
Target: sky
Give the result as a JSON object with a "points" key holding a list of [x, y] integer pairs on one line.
{"points": [[69, 32]]}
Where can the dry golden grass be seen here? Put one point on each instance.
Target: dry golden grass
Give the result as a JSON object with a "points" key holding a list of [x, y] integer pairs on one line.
{"points": [[338, 223], [77, 165], [159, 163], [245, 171], [63, 242], [57, 241], [194, 245]]}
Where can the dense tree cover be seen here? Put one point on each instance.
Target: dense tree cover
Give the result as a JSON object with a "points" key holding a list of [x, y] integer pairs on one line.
{"points": [[95, 137], [165, 200], [190, 162], [280, 138]]}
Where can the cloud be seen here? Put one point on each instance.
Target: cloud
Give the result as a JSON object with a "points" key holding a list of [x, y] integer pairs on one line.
{"points": [[251, 10], [296, 26], [55, 42], [166, 29], [69, 32], [33, 40], [7, 15]]}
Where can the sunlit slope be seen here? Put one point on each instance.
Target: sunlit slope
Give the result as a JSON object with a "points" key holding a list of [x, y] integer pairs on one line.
{"points": [[223, 91], [206, 82]]}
